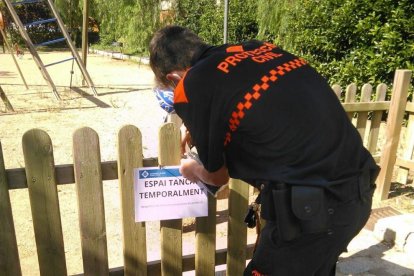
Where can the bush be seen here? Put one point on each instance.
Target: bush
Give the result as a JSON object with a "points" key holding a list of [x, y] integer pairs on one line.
{"points": [[349, 40]]}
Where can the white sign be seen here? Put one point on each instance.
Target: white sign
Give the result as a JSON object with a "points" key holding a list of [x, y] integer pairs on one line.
{"points": [[162, 194]]}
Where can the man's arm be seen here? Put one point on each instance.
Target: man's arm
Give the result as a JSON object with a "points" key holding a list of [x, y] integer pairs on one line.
{"points": [[194, 171]]}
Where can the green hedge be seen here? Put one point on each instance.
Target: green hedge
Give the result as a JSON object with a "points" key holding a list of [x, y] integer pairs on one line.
{"points": [[349, 40]]}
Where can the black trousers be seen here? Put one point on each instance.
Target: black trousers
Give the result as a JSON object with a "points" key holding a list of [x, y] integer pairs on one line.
{"points": [[313, 254]]}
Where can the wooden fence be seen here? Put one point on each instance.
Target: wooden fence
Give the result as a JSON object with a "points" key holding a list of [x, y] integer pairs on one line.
{"points": [[397, 107], [41, 177]]}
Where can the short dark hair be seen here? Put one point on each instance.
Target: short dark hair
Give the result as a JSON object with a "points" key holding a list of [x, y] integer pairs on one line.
{"points": [[172, 48]]}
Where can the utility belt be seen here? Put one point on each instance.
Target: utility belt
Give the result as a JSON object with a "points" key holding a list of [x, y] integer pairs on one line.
{"points": [[301, 209]]}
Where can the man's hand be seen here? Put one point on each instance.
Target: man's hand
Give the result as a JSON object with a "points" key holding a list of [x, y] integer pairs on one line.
{"points": [[194, 171], [188, 169]]}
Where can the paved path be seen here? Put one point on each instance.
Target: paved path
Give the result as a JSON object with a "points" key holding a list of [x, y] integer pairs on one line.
{"points": [[367, 256]]}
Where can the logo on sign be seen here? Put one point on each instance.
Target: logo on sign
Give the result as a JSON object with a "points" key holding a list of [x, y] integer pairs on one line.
{"points": [[145, 174]]}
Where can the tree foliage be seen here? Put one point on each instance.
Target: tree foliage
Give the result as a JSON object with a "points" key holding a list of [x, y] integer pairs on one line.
{"points": [[131, 22], [347, 40], [206, 19], [272, 18], [71, 12]]}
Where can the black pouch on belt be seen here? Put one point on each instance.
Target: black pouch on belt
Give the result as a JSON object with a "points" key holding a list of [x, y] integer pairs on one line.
{"points": [[366, 180], [288, 224], [310, 207]]}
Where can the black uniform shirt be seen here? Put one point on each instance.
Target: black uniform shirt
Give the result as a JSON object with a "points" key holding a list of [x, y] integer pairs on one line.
{"points": [[268, 115]]}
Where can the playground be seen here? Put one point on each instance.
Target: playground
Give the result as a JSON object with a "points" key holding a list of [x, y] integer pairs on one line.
{"points": [[125, 97]]}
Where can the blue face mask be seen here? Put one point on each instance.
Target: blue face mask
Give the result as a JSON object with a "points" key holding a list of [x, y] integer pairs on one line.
{"points": [[165, 99]]}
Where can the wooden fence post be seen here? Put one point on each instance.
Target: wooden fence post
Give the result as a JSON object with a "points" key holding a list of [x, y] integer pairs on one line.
{"points": [[134, 234], [89, 188], [9, 255], [171, 230], [44, 202], [394, 123], [237, 231]]}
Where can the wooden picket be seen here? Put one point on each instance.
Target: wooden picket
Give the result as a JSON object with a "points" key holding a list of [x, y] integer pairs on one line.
{"points": [[130, 156], [206, 240], [237, 231], [380, 95], [88, 176], [9, 256], [350, 94], [171, 230], [363, 116], [338, 90], [44, 202]]}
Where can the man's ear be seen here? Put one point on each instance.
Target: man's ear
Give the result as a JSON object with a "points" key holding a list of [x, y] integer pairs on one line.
{"points": [[175, 76]]}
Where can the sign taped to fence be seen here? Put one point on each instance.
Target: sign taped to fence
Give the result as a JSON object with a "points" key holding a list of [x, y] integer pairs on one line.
{"points": [[163, 193]]}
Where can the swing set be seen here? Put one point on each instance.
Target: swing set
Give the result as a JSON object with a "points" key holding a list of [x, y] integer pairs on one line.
{"points": [[55, 19]]}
